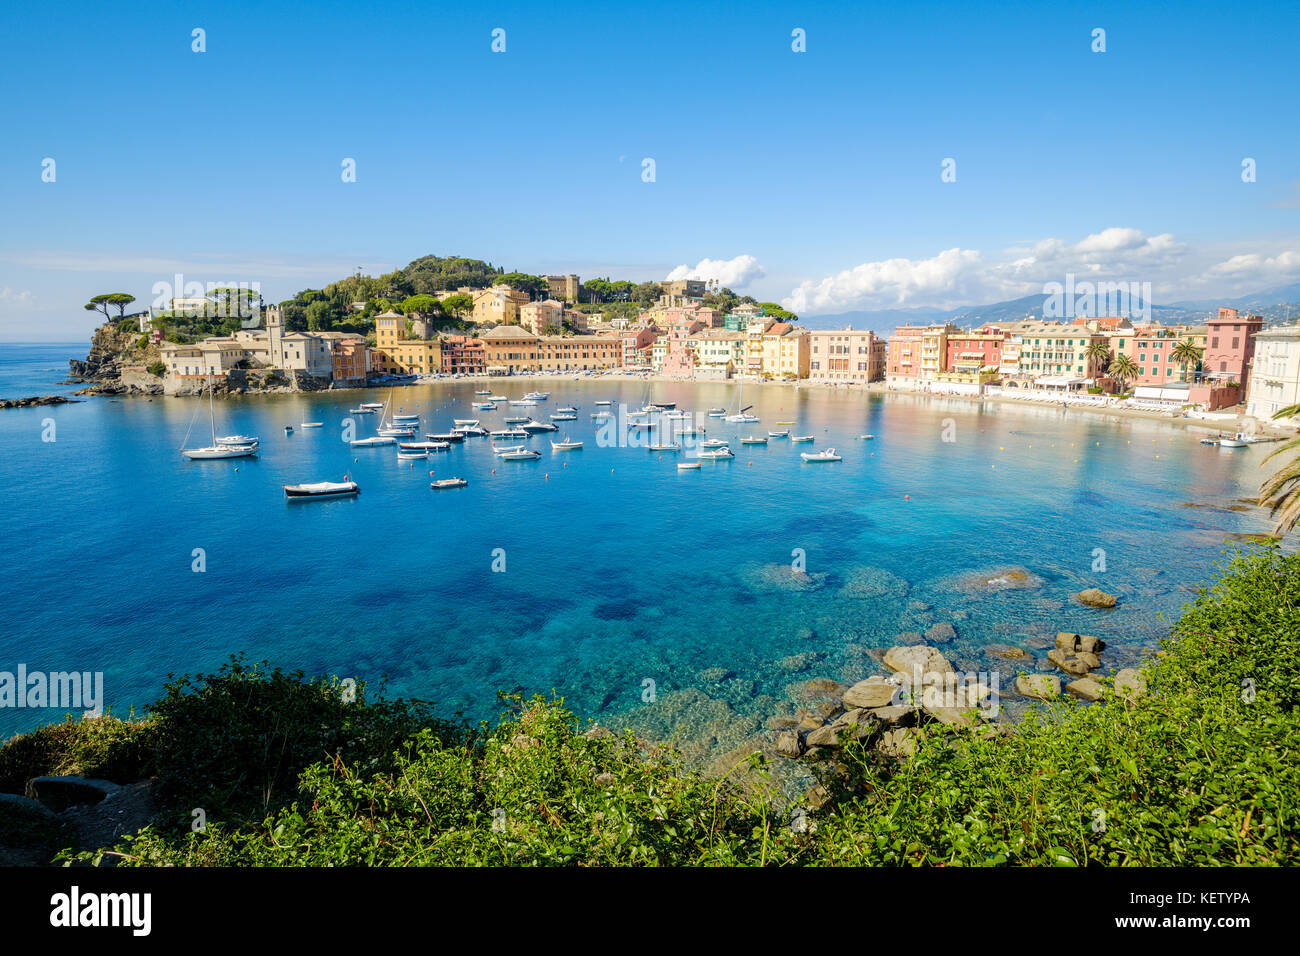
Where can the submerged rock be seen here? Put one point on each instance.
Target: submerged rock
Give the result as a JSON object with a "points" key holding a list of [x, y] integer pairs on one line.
{"points": [[1013, 578], [1008, 652], [868, 583], [780, 578], [940, 633]]}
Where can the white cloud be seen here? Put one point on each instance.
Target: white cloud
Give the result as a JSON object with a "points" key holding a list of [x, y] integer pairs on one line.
{"points": [[16, 299], [968, 277], [1253, 265], [732, 273], [893, 282]]}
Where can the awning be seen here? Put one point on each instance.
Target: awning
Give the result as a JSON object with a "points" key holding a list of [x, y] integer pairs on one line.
{"points": [[1058, 381]]}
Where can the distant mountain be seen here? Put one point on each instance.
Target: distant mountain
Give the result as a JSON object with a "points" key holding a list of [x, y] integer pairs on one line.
{"points": [[1277, 306]]}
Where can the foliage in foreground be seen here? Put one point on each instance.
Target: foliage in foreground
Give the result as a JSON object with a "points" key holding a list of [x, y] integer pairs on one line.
{"points": [[1203, 770]]}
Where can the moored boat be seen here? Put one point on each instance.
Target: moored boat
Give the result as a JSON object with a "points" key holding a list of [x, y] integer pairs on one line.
{"points": [[525, 454], [321, 489], [371, 442], [410, 454], [533, 425], [753, 440], [781, 434], [565, 445], [310, 424], [448, 483], [815, 456], [716, 454], [799, 438], [426, 445], [688, 465], [456, 437]]}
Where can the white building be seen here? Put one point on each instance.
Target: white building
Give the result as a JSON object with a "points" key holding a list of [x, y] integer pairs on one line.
{"points": [[1274, 381]]}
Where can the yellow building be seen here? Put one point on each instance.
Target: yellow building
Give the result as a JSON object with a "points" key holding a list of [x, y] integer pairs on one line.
{"points": [[564, 288], [498, 305], [786, 352], [404, 346]]}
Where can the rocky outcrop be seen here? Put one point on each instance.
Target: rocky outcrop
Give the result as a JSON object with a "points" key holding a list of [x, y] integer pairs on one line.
{"points": [[34, 401], [1095, 597]]}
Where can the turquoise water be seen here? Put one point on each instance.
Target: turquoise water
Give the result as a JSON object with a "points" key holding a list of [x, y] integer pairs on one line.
{"points": [[618, 568]]}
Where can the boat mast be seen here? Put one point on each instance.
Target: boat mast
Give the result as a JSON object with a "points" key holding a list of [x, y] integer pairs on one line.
{"points": [[212, 420]]}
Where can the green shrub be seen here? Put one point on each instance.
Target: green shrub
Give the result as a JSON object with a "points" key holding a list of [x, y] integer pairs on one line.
{"points": [[103, 747], [157, 369]]}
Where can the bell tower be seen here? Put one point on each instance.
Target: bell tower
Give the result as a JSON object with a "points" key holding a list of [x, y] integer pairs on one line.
{"points": [[275, 335]]}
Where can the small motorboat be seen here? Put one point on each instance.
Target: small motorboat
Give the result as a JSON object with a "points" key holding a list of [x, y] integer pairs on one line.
{"points": [[464, 421], [426, 445], [717, 454], [691, 431], [743, 419], [484, 407], [713, 443], [815, 456], [537, 396], [470, 431], [716, 412], [372, 406], [867, 437], [507, 450], [448, 483], [564, 418], [782, 434], [406, 419], [641, 425], [310, 424], [522, 402], [322, 489], [567, 409], [483, 391], [603, 402], [663, 405], [410, 454], [753, 440], [535, 426], [1231, 443], [688, 466], [361, 410], [509, 433], [516, 419], [396, 431], [525, 454], [798, 438], [665, 446], [1209, 441], [372, 442], [496, 398], [602, 414], [456, 437], [238, 441], [565, 445], [288, 429]]}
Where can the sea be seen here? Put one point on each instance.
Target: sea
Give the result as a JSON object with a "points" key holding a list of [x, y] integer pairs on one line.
{"points": [[705, 606]]}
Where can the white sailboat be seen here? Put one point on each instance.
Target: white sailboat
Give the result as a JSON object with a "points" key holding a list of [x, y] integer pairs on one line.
{"points": [[742, 410], [217, 449]]}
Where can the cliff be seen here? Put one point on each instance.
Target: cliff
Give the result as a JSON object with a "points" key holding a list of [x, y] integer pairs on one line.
{"points": [[116, 364]]}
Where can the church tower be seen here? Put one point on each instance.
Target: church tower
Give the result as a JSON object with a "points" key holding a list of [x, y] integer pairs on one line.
{"points": [[275, 335]]}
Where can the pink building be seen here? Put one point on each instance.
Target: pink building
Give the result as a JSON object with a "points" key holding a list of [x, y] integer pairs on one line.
{"points": [[680, 360], [1230, 345], [636, 348]]}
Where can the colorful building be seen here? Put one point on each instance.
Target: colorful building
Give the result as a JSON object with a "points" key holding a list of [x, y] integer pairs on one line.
{"points": [[1231, 345], [845, 355], [1274, 378]]}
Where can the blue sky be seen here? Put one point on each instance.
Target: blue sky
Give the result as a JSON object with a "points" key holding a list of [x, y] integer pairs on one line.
{"points": [[813, 178]]}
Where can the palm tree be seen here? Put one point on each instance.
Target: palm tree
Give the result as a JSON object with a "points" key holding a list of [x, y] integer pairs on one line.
{"points": [[1099, 352], [1124, 370], [1280, 493], [1185, 354]]}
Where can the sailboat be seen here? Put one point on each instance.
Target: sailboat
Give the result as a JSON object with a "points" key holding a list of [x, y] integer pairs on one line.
{"points": [[742, 411], [217, 449]]}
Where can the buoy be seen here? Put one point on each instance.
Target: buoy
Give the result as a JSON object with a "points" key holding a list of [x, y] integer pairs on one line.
{"points": [[548, 476], [907, 497], [494, 471]]}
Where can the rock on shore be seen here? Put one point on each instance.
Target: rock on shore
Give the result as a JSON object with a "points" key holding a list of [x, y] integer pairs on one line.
{"points": [[35, 400]]}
